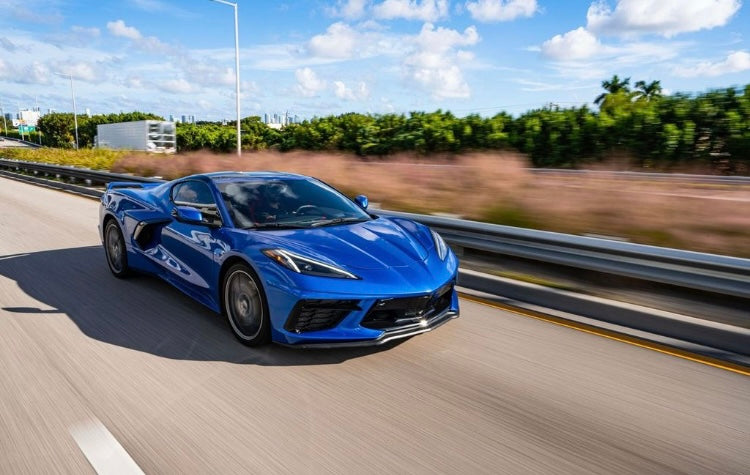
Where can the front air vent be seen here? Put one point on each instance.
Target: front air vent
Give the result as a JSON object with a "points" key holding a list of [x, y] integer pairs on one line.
{"points": [[313, 315], [387, 314]]}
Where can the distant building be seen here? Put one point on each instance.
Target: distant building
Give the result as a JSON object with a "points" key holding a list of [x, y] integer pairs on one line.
{"points": [[276, 120], [27, 117]]}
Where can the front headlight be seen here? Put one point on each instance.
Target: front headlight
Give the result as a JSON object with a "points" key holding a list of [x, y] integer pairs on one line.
{"points": [[440, 246], [305, 265]]}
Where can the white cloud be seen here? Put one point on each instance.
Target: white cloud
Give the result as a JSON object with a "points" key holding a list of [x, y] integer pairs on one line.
{"points": [[339, 41], [501, 10], [349, 9], [575, 44], [8, 45], [80, 70], [735, 62], [176, 86], [343, 42], [203, 69], [35, 73], [85, 32], [424, 10], [134, 82], [119, 28], [609, 60], [359, 92], [433, 65], [662, 17], [250, 90], [442, 40], [308, 83], [32, 11], [152, 44]]}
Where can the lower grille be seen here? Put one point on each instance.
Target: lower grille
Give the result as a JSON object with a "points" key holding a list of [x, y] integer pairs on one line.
{"points": [[312, 315], [399, 312]]}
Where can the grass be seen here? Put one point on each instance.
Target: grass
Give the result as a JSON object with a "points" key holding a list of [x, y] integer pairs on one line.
{"points": [[491, 187], [95, 159], [509, 215]]}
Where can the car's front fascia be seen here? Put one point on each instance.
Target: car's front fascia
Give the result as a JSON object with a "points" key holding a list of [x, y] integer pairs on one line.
{"points": [[286, 290], [356, 299]]}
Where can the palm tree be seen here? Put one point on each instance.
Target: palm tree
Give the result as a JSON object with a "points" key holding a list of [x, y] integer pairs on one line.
{"points": [[613, 86], [648, 91]]}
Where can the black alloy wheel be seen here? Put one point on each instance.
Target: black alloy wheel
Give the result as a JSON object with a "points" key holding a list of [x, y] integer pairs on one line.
{"points": [[114, 247], [245, 306]]}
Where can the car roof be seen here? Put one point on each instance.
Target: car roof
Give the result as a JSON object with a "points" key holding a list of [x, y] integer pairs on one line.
{"points": [[225, 176]]}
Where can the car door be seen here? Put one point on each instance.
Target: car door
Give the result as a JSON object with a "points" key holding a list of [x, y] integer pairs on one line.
{"points": [[193, 247]]}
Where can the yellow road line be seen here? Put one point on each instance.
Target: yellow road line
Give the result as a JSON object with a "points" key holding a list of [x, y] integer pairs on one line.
{"points": [[612, 335]]}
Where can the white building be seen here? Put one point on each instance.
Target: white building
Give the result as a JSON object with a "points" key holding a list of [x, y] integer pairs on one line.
{"points": [[27, 117]]}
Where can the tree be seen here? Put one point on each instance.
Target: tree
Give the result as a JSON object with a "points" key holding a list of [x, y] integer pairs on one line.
{"points": [[613, 86], [57, 129], [647, 91]]}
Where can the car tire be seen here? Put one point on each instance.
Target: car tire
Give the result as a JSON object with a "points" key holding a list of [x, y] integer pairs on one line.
{"points": [[244, 304], [114, 248]]}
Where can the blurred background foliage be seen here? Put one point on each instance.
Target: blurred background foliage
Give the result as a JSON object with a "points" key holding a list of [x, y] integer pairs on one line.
{"points": [[656, 130]]}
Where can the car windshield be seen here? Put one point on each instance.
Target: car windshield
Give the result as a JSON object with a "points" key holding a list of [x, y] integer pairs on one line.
{"points": [[256, 203]]}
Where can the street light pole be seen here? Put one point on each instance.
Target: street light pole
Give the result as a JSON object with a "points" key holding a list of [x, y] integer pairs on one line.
{"points": [[236, 69], [75, 114]]}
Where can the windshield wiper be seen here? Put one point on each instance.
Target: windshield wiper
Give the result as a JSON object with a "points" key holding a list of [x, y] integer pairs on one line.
{"points": [[274, 226], [328, 222]]}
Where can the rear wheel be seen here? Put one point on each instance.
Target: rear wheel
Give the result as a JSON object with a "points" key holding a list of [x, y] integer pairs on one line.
{"points": [[245, 306], [114, 248]]}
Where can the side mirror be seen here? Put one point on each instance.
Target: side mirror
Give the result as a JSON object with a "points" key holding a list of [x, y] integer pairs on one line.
{"points": [[188, 214], [362, 201]]}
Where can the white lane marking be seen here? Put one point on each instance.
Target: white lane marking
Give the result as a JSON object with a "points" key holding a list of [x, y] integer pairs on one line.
{"points": [[102, 450]]}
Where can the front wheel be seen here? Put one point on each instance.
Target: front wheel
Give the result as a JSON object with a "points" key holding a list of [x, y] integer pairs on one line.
{"points": [[114, 248], [245, 306]]}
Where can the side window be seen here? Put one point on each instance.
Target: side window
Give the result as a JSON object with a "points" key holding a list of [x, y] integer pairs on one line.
{"points": [[198, 195], [193, 193]]}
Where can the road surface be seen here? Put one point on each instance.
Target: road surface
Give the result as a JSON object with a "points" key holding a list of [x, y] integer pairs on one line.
{"points": [[491, 392], [5, 143]]}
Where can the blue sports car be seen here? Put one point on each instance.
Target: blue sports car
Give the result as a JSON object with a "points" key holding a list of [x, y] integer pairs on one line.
{"points": [[285, 257]]}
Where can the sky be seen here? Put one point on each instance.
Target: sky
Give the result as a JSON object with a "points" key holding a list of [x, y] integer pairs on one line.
{"points": [[316, 58]]}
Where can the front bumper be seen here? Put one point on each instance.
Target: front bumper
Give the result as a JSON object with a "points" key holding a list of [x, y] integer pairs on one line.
{"points": [[369, 321], [387, 335]]}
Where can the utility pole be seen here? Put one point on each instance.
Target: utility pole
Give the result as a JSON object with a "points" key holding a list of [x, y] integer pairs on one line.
{"points": [[72, 93], [237, 70]]}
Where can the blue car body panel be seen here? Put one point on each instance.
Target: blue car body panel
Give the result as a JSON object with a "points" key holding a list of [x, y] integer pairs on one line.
{"points": [[393, 259]]}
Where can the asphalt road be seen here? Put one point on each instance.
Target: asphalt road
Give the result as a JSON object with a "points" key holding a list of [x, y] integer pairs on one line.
{"points": [[5, 143], [490, 392]]}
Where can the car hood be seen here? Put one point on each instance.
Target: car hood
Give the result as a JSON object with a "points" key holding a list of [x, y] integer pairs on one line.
{"points": [[376, 244]]}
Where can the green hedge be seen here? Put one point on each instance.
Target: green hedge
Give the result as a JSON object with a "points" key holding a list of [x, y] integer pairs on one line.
{"points": [[712, 128]]}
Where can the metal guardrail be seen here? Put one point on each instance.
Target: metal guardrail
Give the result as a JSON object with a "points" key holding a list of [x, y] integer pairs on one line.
{"points": [[90, 177], [707, 272], [671, 177], [25, 142]]}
